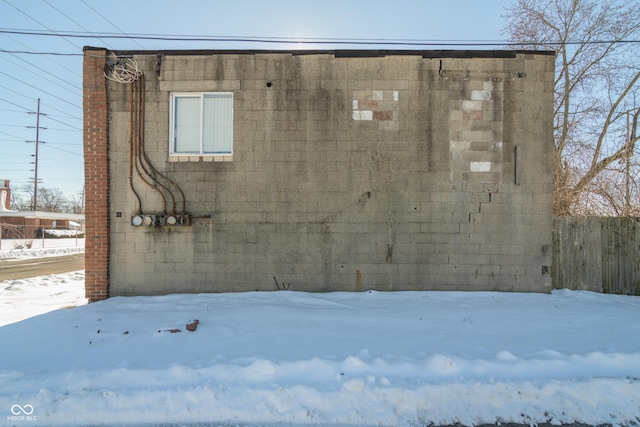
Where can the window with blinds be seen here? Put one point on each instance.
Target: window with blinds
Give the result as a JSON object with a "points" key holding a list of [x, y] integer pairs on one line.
{"points": [[201, 124]]}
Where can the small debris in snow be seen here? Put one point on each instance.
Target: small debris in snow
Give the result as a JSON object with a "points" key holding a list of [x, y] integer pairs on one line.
{"points": [[193, 325]]}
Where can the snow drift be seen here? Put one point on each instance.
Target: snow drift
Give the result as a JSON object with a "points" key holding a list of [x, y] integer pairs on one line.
{"points": [[291, 358]]}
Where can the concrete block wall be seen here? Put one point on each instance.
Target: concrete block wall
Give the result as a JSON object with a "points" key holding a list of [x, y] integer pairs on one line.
{"points": [[350, 171]]}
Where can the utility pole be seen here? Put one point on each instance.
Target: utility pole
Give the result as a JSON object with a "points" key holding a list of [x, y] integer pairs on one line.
{"points": [[35, 181], [38, 142]]}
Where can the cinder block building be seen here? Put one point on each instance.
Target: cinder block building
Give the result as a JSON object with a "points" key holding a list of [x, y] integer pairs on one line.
{"points": [[218, 171]]}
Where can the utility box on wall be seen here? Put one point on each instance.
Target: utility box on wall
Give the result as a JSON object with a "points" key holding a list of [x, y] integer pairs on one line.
{"points": [[327, 170]]}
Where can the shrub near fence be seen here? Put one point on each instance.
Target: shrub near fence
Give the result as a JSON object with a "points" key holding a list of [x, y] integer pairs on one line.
{"points": [[599, 254]]}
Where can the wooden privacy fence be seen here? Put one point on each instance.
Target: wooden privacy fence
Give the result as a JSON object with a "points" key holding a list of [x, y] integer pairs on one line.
{"points": [[598, 254]]}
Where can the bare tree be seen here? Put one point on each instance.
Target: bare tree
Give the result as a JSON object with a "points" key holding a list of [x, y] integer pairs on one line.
{"points": [[596, 113], [75, 205], [49, 200], [52, 200], [21, 201]]}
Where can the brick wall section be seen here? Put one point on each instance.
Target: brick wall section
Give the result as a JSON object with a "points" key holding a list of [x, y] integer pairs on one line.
{"points": [[96, 173]]}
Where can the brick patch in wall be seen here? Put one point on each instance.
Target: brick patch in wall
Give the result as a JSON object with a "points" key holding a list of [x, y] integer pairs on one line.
{"points": [[383, 115], [472, 115], [366, 105], [480, 161], [363, 115], [471, 105], [480, 166], [475, 148], [376, 105], [481, 95]]}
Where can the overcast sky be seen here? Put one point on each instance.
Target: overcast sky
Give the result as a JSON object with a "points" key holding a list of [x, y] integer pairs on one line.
{"points": [[29, 71]]}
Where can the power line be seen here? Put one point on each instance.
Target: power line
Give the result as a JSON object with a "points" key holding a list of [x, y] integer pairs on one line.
{"points": [[59, 111], [31, 99], [64, 130], [114, 25], [41, 90], [57, 115], [74, 72], [316, 40], [60, 149], [43, 70], [64, 143], [52, 117], [35, 20], [11, 111], [13, 126], [75, 22], [26, 52], [42, 77], [143, 15], [17, 93], [55, 143], [14, 104], [13, 136], [73, 128]]}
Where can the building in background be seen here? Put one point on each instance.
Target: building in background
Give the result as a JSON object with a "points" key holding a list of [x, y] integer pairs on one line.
{"points": [[31, 224], [5, 196], [217, 171]]}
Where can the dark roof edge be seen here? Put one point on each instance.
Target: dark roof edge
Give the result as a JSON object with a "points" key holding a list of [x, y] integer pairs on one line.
{"points": [[341, 53]]}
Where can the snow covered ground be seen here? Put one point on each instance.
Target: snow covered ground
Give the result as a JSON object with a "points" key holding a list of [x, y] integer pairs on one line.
{"points": [[24, 298], [17, 248], [298, 359]]}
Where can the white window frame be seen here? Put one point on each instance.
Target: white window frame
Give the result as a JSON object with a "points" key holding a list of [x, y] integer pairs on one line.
{"points": [[201, 152]]}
